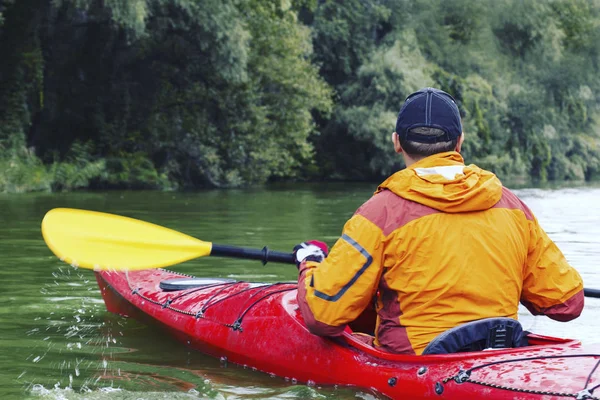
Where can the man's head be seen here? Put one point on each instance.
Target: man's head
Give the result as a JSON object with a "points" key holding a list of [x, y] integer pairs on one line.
{"points": [[428, 123]]}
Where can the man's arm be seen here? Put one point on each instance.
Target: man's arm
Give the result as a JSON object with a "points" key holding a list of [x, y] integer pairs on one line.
{"points": [[550, 285], [336, 291]]}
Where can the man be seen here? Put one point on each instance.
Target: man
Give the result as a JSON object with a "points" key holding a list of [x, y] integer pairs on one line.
{"points": [[439, 244]]}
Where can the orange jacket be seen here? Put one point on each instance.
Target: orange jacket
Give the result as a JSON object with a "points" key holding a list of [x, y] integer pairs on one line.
{"points": [[440, 244]]}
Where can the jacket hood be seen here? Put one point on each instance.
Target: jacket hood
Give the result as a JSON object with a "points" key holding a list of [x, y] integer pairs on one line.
{"points": [[443, 182]]}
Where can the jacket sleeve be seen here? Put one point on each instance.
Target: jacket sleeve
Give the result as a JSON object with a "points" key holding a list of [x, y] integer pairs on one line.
{"points": [[337, 291], [550, 285]]}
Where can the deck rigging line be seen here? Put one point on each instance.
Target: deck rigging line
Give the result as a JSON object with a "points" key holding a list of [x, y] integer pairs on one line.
{"points": [[464, 376], [236, 325]]}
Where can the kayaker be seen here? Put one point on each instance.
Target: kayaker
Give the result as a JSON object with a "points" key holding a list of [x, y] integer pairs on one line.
{"points": [[439, 244]]}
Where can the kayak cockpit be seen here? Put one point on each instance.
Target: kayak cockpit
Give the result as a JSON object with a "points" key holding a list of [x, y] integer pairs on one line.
{"points": [[364, 326], [482, 334], [535, 342]]}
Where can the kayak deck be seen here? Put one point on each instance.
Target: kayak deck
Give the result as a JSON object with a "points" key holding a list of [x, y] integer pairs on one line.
{"points": [[260, 326]]}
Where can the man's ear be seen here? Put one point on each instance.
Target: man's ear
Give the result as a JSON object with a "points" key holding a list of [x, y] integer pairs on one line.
{"points": [[396, 141], [461, 139]]}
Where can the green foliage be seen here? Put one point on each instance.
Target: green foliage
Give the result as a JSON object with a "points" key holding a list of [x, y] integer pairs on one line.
{"points": [[578, 20], [349, 28], [172, 93], [78, 169], [21, 71], [284, 87], [22, 171], [524, 74], [3, 5], [192, 93], [131, 14], [461, 19], [134, 171], [358, 138], [521, 27]]}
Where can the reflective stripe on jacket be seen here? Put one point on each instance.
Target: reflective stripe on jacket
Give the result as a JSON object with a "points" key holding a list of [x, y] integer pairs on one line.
{"points": [[439, 244]]}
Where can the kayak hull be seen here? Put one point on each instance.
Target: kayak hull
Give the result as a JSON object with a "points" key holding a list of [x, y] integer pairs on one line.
{"points": [[260, 326]]}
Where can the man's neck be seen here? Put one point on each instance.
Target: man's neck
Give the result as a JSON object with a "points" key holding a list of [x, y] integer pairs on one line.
{"points": [[410, 160]]}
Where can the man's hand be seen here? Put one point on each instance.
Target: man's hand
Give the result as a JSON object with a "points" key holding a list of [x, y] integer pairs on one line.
{"points": [[313, 250]]}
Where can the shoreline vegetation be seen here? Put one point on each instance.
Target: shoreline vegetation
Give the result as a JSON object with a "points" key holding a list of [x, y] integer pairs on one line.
{"points": [[190, 94]]}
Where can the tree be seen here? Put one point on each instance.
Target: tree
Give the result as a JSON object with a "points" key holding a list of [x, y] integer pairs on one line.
{"points": [[519, 70], [171, 92]]}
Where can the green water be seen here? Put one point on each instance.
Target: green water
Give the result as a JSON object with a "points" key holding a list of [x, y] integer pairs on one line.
{"points": [[58, 342]]}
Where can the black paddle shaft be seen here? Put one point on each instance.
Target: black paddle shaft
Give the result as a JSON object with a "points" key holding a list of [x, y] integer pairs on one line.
{"points": [[591, 293], [265, 255]]}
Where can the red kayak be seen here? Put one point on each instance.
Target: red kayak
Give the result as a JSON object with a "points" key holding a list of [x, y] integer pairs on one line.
{"points": [[260, 326]]}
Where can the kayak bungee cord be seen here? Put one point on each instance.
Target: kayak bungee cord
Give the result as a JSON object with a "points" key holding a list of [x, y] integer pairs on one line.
{"points": [[167, 304], [464, 376], [262, 288], [208, 303], [236, 325], [589, 378], [201, 288]]}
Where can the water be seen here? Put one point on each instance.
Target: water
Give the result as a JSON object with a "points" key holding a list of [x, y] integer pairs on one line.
{"points": [[571, 217], [58, 342]]}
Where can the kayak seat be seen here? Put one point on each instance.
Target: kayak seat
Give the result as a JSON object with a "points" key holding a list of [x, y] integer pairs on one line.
{"points": [[487, 333]]}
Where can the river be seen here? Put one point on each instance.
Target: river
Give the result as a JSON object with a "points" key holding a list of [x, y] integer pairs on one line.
{"points": [[58, 342]]}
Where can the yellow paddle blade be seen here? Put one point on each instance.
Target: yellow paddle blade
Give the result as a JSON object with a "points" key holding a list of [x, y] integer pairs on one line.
{"points": [[101, 241]]}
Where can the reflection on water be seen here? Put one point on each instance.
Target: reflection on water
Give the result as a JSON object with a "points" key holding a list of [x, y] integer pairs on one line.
{"points": [[58, 341]]}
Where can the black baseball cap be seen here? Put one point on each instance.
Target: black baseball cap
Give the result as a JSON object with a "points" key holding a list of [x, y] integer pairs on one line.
{"points": [[429, 108]]}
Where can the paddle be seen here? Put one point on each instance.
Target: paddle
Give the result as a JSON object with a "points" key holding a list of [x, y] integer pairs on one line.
{"points": [[100, 241]]}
